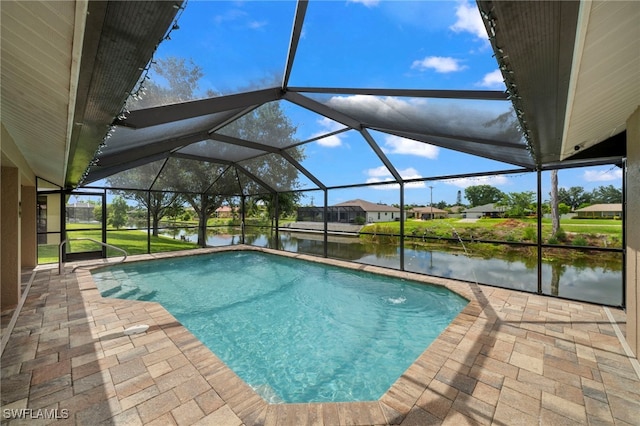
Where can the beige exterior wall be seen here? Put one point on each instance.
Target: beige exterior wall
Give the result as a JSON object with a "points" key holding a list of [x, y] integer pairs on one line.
{"points": [[633, 232], [53, 218], [28, 229], [10, 241], [372, 217]]}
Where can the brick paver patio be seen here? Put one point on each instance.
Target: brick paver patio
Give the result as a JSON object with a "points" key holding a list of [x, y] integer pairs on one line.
{"points": [[509, 358]]}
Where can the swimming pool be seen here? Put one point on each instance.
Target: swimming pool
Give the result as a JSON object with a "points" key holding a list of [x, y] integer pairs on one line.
{"points": [[296, 331]]}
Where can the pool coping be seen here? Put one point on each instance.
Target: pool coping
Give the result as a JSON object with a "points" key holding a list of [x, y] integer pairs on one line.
{"points": [[391, 408]]}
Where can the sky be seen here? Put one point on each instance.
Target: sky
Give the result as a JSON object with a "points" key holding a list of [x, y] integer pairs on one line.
{"points": [[243, 45]]}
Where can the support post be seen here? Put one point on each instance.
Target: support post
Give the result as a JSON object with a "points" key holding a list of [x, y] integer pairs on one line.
{"points": [[326, 222], [149, 230], [402, 225], [277, 213], [632, 230], [539, 220], [242, 217]]}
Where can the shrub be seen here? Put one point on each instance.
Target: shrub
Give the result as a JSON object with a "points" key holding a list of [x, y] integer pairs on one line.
{"points": [[579, 241], [360, 220], [529, 233], [552, 240], [561, 235]]}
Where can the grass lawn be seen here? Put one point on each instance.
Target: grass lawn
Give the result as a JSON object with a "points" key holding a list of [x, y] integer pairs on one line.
{"points": [[133, 241], [596, 232]]}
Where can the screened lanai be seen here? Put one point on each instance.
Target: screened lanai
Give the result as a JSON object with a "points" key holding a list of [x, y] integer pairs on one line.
{"points": [[151, 125], [205, 123]]}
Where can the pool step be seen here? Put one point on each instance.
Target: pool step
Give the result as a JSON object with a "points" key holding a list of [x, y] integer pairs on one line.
{"points": [[128, 294], [148, 296], [111, 291]]}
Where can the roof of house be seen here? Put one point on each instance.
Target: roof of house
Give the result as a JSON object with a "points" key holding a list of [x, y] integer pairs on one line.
{"points": [[368, 206], [616, 207], [429, 209], [486, 208], [223, 209]]}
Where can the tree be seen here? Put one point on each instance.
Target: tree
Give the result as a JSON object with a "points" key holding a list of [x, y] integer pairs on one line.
{"points": [[518, 204], [175, 80], [174, 211], [479, 195], [204, 186], [441, 205], [287, 204], [97, 213], [606, 195], [573, 197], [118, 216], [156, 202], [264, 124], [563, 208], [207, 185]]}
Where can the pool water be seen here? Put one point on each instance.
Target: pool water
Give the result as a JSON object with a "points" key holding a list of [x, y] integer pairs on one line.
{"points": [[295, 331]]}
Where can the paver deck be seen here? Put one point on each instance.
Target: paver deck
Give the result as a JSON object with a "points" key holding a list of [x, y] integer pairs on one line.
{"points": [[509, 358]]}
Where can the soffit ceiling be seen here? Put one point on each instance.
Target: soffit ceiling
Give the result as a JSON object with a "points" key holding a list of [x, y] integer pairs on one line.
{"points": [[575, 70], [67, 69], [605, 81], [37, 64]]}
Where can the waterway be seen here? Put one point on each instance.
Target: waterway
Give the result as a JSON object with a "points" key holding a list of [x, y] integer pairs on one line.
{"points": [[591, 281]]}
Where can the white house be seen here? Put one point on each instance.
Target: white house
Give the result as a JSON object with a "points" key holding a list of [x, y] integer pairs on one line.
{"points": [[486, 210], [372, 212]]}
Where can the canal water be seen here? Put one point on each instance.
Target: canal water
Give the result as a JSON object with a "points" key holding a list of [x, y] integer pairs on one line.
{"points": [[595, 282]]}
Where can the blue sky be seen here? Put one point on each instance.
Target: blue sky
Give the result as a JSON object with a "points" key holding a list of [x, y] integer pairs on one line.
{"points": [[243, 45]]}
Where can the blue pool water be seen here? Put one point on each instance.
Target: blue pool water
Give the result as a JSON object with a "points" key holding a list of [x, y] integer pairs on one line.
{"points": [[295, 331]]}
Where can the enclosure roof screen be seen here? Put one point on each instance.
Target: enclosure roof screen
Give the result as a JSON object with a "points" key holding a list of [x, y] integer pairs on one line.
{"points": [[257, 97]]}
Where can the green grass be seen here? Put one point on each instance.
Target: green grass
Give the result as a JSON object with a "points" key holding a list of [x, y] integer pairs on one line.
{"points": [[132, 241], [597, 232]]}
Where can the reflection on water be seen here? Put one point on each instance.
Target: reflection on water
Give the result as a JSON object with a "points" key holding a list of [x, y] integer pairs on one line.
{"points": [[571, 279]]}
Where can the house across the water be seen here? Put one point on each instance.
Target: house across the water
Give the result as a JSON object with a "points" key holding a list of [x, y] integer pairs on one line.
{"points": [[353, 211], [486, 210], [603, 211]]}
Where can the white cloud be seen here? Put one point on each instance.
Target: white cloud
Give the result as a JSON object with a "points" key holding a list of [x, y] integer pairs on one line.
{"points": [[229, 16], [330, 141], [383, 106], [602, 175], [378, 172], [497, 180], [397, 145], [493, 80], [469, 20], [329, 126], [254, 25], [239, 17], [382, 174], [409, 173], [440, 64], [368, 3], [419, 114]]}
